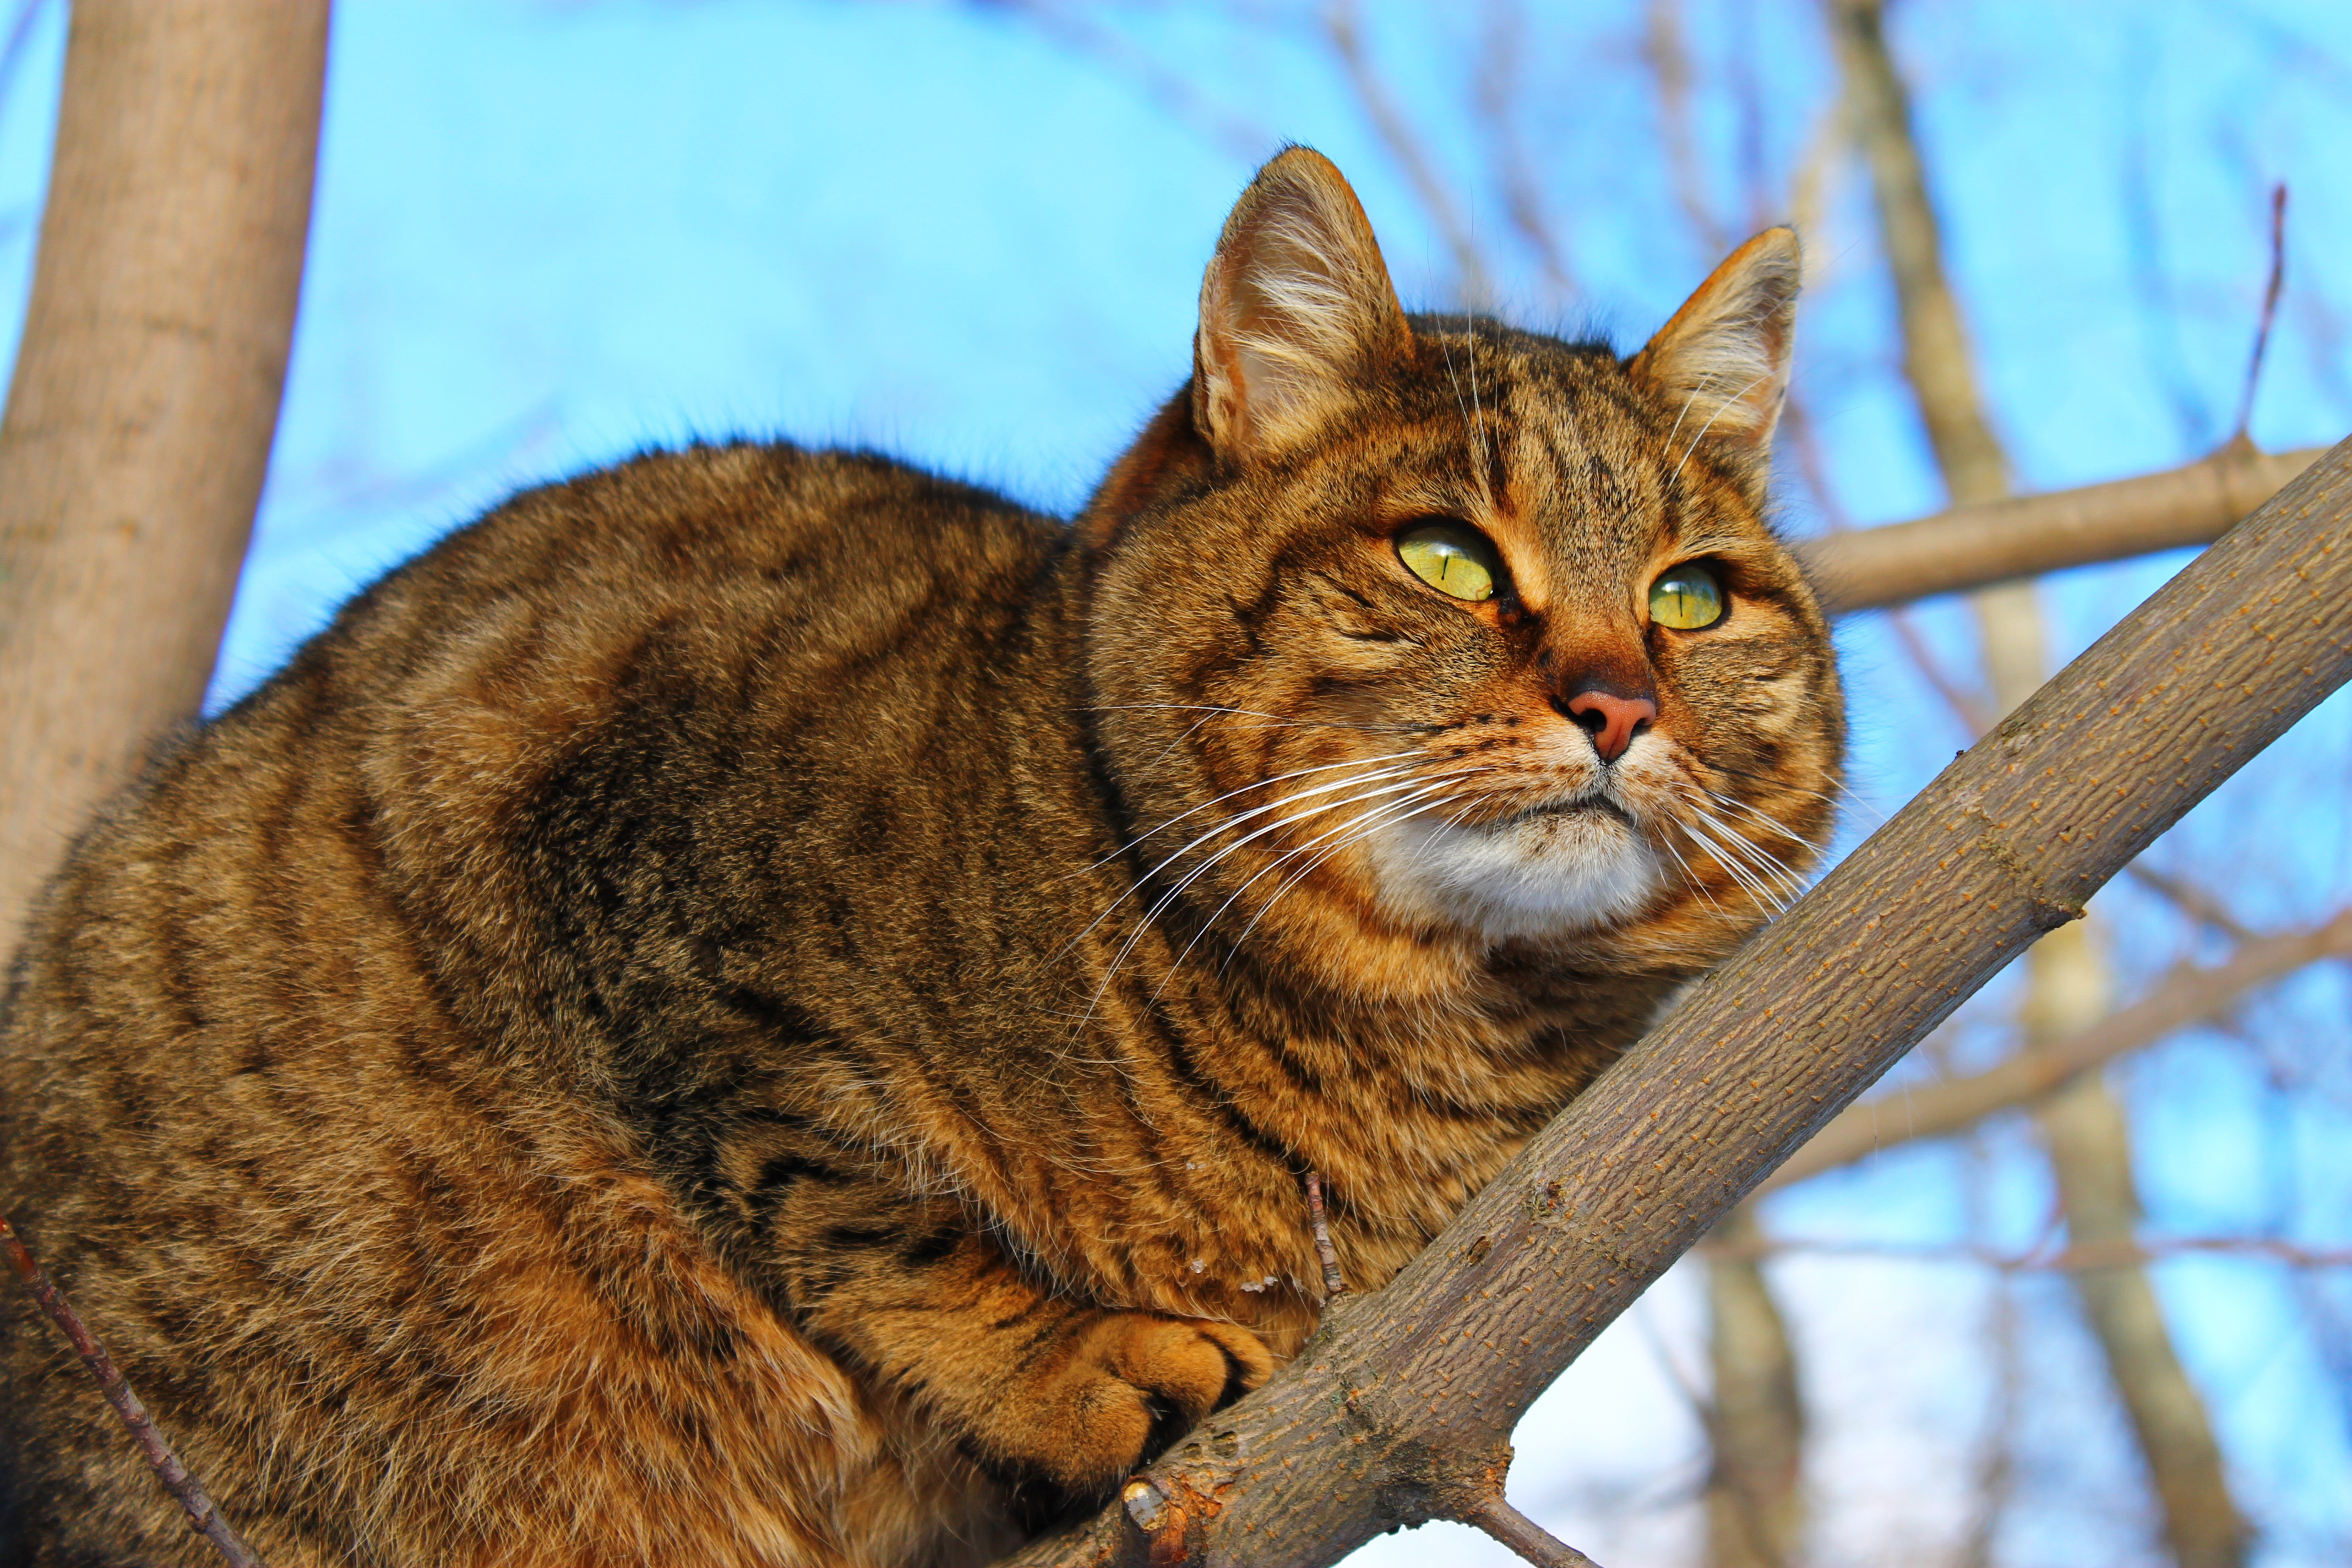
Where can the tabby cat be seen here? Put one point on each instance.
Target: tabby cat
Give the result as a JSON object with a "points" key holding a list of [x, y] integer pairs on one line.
{"points": [[766, 1007]]}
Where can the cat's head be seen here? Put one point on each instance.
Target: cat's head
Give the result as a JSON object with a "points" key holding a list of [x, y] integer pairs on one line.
{"points": [[1427, 631]]}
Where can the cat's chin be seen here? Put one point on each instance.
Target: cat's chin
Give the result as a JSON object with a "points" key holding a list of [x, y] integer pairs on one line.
{"points": [[1545, 874]]}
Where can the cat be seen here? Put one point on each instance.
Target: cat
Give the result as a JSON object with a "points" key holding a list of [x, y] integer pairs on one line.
{"points": [[762, 1006]]}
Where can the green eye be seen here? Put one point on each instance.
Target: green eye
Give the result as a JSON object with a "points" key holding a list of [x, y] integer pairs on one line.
{"points": [[1686, 599], [1453, 558]]}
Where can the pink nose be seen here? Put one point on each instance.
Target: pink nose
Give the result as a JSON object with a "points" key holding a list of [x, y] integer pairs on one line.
{"points": [[1612, 720]]}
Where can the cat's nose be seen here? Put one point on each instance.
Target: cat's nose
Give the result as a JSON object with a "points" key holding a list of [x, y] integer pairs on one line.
{"points": [[1612, 720]]}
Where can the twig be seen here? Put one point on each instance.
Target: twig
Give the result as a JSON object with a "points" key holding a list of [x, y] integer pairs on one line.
{"points": [[1344, 30], [184, 1487], [1523, 1535], [1335, 1284], [2190, 899], [1498, 80], [2079, 1257], [2269, 315], [1171, 90]]}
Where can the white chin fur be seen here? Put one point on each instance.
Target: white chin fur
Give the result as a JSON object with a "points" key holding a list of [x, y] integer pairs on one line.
{"points": [[1540, 876]]}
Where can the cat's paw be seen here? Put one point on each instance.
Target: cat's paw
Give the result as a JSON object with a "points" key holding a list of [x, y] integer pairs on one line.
{"points": [[1123, 1387]]}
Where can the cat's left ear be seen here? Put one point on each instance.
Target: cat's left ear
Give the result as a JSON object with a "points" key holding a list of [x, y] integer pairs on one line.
{"points": [[1723, 360], [1297, 311]]}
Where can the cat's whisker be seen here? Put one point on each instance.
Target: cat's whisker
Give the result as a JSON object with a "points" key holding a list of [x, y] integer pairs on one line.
{"points": [[1766, 865], [1220, 800], [1227, 825], [1168, 898], [1766, 818], [1787, 874], [1843, 788], [1727, 404], [1690, 876], [1479, 433], [1733, 867], [1274, 720], [1469, 428], [1757, 856], [1416, 808], [1277, 864]]}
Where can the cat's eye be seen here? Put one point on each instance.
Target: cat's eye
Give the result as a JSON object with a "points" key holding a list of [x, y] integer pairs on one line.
{"points": [[1453, 558], [1686, 599]]}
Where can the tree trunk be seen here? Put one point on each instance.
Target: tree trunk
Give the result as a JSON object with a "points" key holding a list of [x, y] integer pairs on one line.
{"points": [[2068, 986], [1756, 1422], [146, 393], [2090, 1154], [1401, 1408]]}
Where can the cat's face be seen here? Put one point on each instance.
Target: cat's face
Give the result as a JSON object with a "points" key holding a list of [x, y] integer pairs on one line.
{"points": [[1456, 632]]}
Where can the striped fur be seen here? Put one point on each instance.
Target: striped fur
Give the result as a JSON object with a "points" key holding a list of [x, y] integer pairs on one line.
{"points": [[762, 1007]]}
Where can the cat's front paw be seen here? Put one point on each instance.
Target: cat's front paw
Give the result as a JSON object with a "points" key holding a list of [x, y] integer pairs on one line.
{"points": [[1081, 1416]]}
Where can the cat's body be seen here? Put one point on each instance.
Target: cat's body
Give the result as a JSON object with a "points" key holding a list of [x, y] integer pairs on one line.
{"points": [[678, 1030]]}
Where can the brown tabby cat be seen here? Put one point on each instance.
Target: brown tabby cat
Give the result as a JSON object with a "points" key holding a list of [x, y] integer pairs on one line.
{"points": [[763, 1007]]}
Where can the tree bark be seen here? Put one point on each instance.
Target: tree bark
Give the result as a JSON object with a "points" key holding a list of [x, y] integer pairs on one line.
{"points": [[1399, 1409], [1755, 1415], [146, 394]]}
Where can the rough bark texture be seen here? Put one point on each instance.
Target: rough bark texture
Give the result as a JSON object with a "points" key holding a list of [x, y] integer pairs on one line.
{"points": [[1997, 541], [1756, 1415], [2190, 994], [146, 394], [1401, 1408]]}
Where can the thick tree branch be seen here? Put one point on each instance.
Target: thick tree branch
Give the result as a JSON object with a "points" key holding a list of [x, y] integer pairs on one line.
{"points": [[1403, 1402], [2189, 995], [140, 419], [1999, 541]]}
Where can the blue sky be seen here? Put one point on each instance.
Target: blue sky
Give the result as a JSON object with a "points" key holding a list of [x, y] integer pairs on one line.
{"points": [[548, 235]]}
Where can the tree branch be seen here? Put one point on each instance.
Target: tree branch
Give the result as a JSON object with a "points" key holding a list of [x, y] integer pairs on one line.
{"points": [[184, 1488], [140, 420], [1405, 1397], [1971, 546], [2189, 995]]}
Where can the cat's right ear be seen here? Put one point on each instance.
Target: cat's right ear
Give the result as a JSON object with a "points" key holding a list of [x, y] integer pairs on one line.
{"points": [[1296, 312]]}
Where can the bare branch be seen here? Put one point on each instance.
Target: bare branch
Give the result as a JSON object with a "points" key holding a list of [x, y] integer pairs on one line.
{"points": [[2190, 899], [1523, 1535], [1406, 1396], [1334, 1282], [2072, 1259], [1077, 30], [184, 1488], [2238, 436], [2189, 995], [1497, 94], [1935, 359], [1343, 26], [1971, 546]]}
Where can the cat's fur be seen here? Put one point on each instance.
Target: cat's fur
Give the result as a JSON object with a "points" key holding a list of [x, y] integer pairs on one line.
{"points": [[678, 1030]]}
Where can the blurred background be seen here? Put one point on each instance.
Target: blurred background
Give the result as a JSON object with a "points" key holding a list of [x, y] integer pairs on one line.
{"points": [[2107, 1324]]}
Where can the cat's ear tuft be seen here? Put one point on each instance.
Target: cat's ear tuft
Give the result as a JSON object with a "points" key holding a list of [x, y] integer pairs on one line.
{"points": [[1723, 360], [1297, 310]]}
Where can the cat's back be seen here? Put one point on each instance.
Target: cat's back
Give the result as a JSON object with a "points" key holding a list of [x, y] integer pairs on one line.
{"points": [[282, 1149]]}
